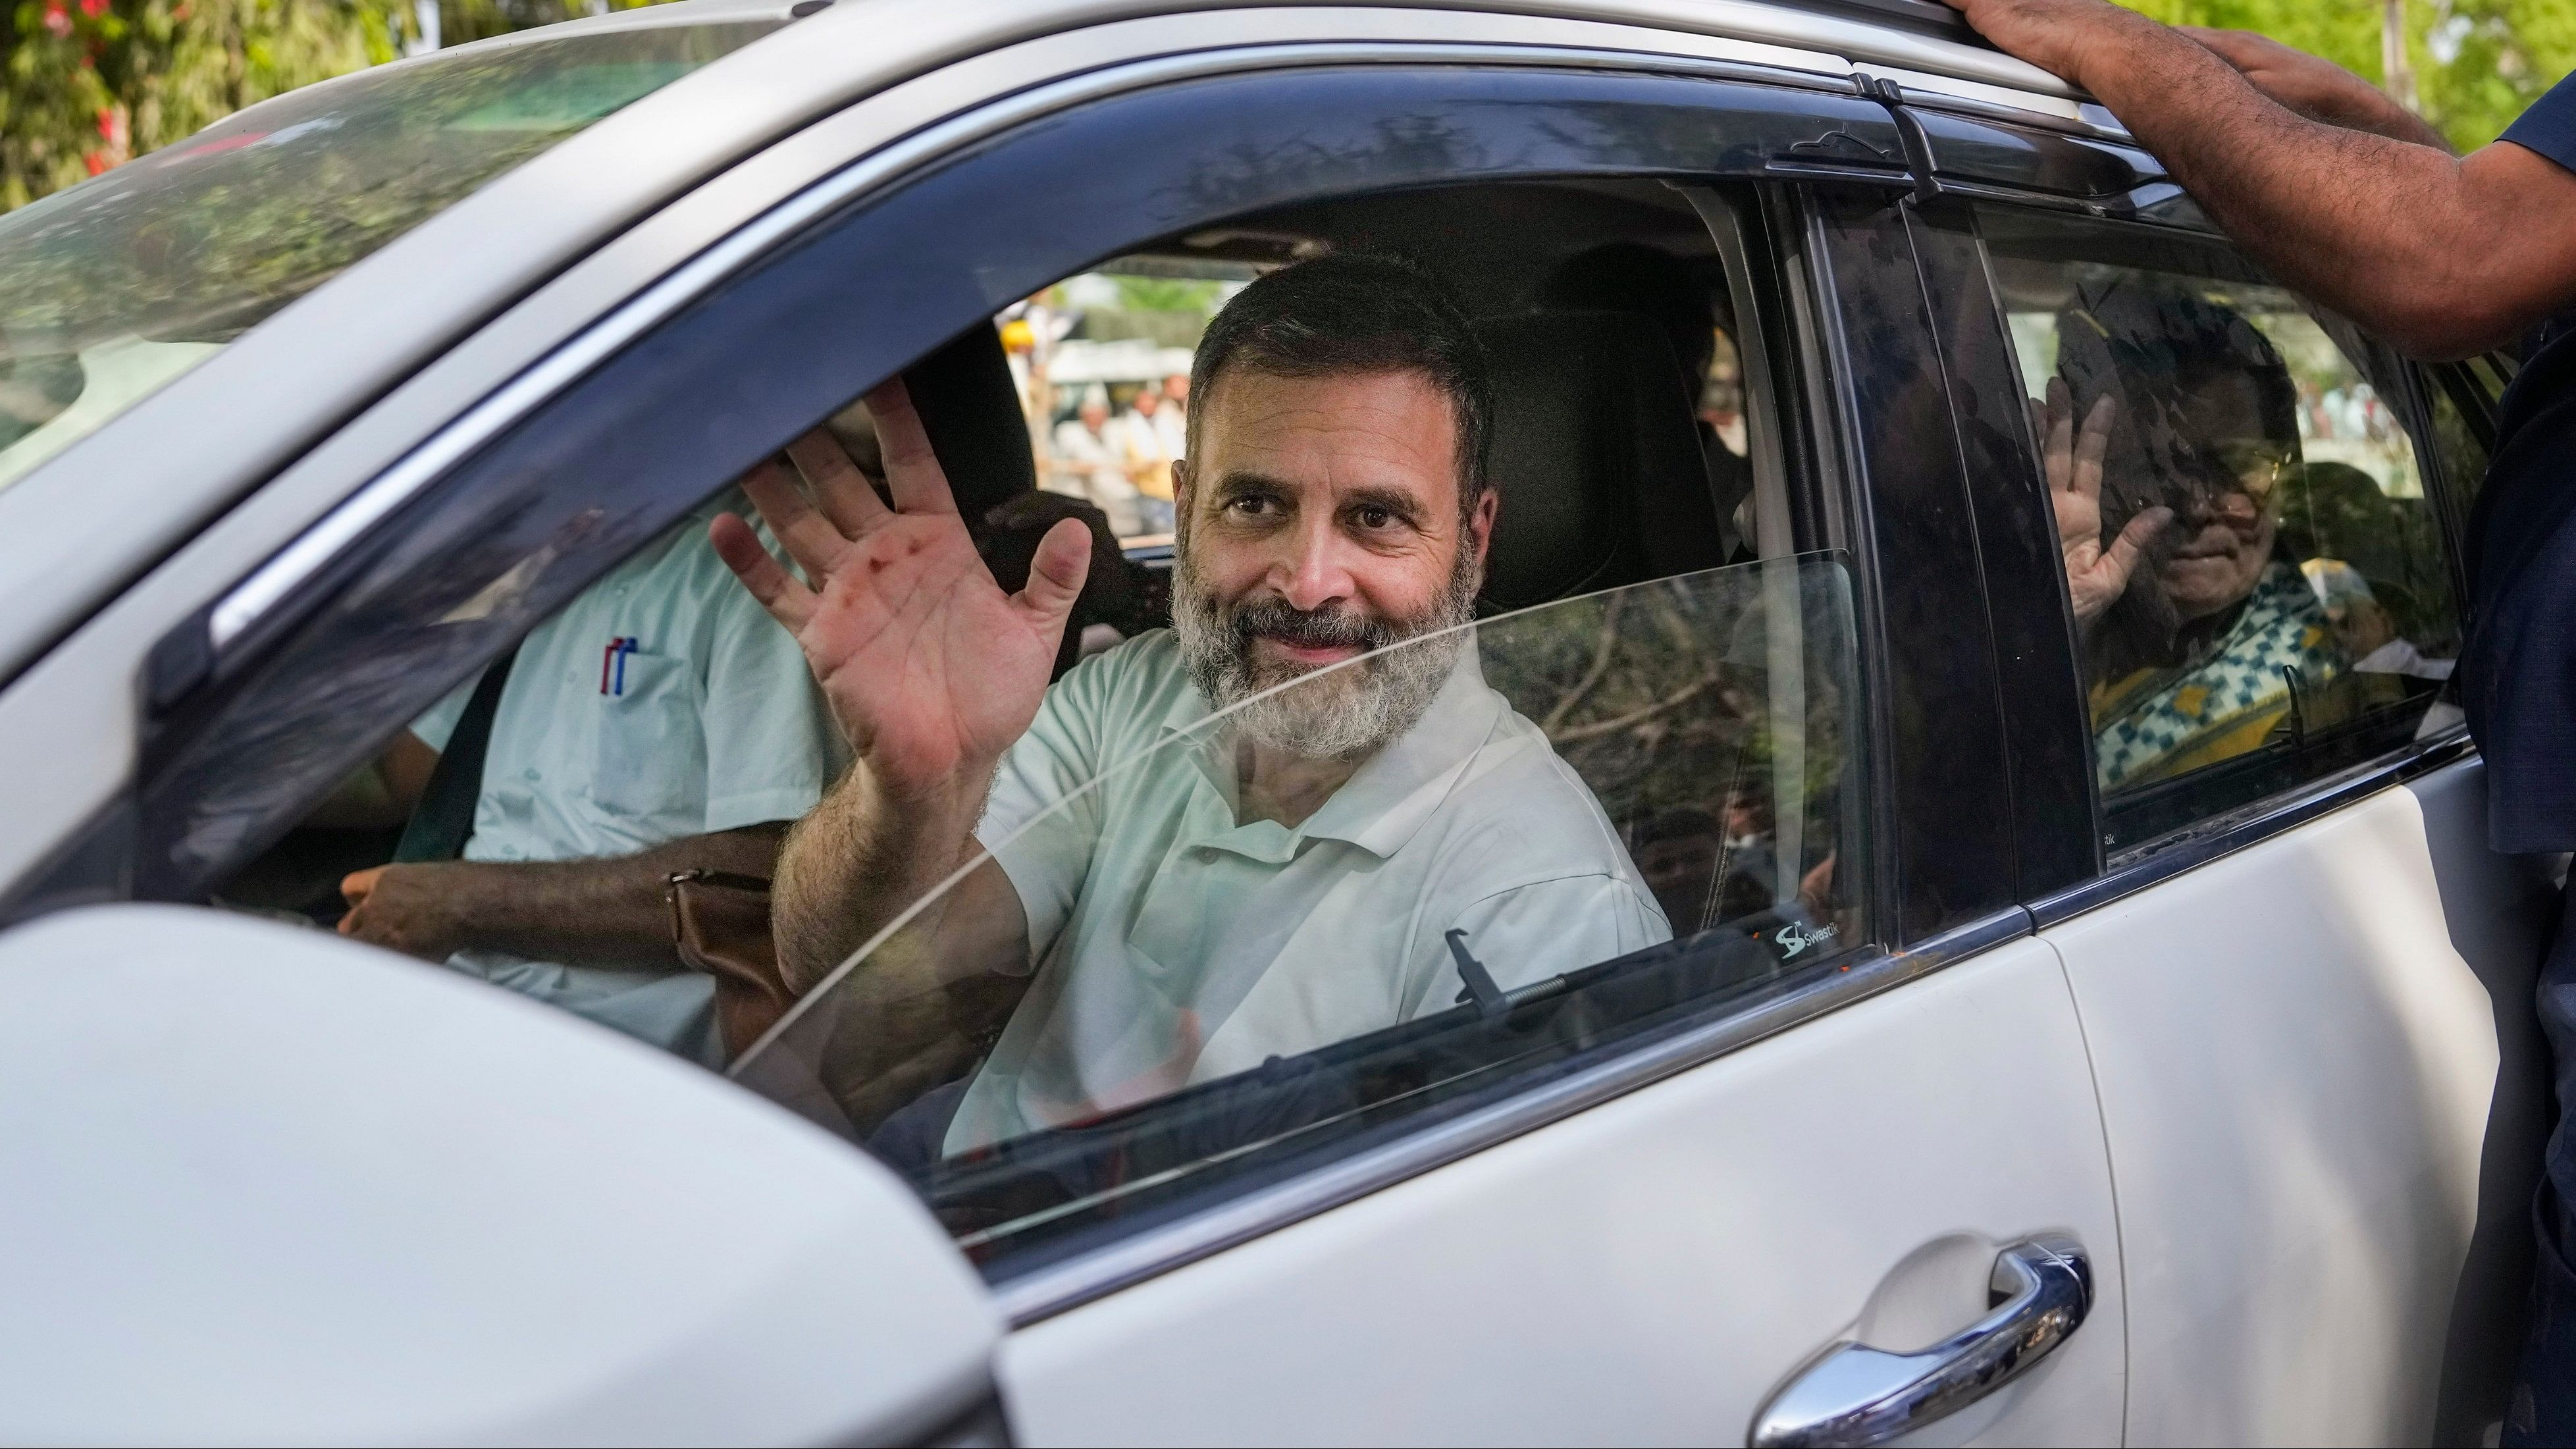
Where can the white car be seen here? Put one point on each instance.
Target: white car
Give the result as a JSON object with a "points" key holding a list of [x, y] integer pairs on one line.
{"points": [[2073, 1030]]}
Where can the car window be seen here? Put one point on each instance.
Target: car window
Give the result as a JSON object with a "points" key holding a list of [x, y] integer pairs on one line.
{"points": [[1602, 776], [1586, 743], [2255, 574], [112, 288]]}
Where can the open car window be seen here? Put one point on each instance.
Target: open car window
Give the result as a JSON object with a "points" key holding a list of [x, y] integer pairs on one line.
{"points": [[1607, 814]]}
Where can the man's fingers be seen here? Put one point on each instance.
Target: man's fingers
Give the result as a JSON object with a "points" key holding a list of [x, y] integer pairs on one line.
{"points": [[912, 468], [787, 600], [845, 494], [1055, 576], [357, 885], [2093, 445], [808, 537], [2121, 558]]}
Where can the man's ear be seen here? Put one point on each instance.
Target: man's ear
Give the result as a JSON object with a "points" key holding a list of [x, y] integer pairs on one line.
{"points": [[1480, 522], [1180, 493]]}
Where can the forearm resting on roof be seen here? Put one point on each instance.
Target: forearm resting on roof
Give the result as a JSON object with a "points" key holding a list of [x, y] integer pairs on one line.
{"points": [[2441, 256]]}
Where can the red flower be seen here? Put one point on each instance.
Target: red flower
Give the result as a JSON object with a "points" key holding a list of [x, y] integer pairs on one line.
{"points": [[95, 161], [93, 8], [57, 19]]}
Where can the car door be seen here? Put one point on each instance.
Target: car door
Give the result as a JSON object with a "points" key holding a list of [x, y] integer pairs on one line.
{"points": [[2304, 981], [1841, 1161]]}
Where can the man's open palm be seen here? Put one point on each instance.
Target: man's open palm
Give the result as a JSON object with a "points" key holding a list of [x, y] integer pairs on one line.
{"points": [[930, 669]]}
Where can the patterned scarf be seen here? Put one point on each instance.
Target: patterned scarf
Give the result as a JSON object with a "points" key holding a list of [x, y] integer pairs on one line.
{"points": [[2159, 723]]}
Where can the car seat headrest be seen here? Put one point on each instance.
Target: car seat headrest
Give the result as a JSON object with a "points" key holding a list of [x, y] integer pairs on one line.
{"points": [[970, 407], [1597, 456]]}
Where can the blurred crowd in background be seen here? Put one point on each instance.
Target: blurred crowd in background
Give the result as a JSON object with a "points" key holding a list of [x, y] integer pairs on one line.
{"points": [[1103, 364]]}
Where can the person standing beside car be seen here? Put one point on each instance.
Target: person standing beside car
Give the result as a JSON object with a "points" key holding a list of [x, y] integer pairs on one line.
{"points": [[2349, 198]]}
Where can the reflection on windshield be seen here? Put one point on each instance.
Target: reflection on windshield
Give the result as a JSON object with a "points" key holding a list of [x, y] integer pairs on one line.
{"points": [[115, 286], [1583, 782]]}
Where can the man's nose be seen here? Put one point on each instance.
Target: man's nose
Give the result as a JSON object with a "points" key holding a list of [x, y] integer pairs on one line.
{"points": [[1316, 571]]}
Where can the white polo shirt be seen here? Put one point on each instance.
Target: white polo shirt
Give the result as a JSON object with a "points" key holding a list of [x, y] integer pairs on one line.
{"points": [[1173, 945], [662, 702]]}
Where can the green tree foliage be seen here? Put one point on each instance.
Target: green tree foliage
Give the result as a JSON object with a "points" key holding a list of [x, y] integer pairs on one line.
{"points": [[2475, 63], [87, 84]]}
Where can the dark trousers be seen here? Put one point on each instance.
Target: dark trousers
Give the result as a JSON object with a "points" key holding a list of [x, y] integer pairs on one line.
{"points": [[2542, 1409]]}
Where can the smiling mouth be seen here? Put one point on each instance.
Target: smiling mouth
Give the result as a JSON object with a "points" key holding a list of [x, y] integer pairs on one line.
{"points": [[1310, 654]]}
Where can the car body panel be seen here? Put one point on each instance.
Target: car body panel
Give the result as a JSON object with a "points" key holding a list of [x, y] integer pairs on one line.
{"points": [[2295, 1065], [306, 1131], [1648, 1271]]}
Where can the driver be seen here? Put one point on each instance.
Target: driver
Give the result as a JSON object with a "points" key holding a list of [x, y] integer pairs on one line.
{"points": [[1259, 885]]}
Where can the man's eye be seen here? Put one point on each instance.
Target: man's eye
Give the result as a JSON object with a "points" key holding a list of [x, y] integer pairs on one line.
{"points": [[1375, 518], [1253, 505]]}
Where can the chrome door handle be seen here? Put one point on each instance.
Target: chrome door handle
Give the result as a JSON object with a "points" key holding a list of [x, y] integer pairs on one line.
{"points": [[1856, 1394]]}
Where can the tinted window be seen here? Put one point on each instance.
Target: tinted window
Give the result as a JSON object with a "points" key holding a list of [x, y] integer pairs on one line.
{"points": [[114, 287], [2256, 577]]}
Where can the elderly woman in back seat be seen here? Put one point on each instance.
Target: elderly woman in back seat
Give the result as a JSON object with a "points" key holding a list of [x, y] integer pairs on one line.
{"points": [[2199, 637]]}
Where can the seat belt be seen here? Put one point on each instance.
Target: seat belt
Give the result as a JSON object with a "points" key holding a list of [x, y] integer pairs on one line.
{"points": [[444, 817]]}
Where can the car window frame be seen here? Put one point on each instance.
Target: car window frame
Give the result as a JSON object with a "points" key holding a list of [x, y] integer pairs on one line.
{"points": [[183, 688]]}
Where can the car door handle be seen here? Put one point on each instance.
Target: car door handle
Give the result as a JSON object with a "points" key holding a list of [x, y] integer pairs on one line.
{"points": [[1856, 1394]]}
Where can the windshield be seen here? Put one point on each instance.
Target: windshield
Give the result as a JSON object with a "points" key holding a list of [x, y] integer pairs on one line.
{"points": [[1585, 818], [114, 287]]}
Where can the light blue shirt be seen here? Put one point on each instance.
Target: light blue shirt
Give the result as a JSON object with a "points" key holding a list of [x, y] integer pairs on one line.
{"points": [[1174, 945], [662, 702]]}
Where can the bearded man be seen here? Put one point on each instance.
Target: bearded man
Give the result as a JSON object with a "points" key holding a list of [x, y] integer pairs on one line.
{"points": [[1248, 836]]}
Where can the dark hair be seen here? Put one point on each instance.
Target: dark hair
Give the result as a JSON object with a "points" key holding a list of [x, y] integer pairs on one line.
{"points": [[2155, 343], [1355, 313], [2164, 349]]}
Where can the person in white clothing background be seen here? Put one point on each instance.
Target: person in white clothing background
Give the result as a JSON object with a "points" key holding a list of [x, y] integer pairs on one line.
{"points": [[657, 723]]}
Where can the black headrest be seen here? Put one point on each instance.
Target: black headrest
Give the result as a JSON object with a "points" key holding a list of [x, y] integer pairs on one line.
{"points": [[1597, 456], [970, 406]]}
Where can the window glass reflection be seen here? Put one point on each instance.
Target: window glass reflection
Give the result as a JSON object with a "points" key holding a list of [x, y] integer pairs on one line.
{"points": [[2253, 568]]}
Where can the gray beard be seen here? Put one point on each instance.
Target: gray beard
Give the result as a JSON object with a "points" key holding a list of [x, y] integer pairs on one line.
{"points": [[1342, 712]]}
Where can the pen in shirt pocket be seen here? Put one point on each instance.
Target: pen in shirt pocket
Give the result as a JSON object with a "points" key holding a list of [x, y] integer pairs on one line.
{"points": [[612, 664]]}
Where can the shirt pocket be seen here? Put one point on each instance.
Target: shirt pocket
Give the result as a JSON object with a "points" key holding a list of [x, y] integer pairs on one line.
{"points": [[647, 754]]}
